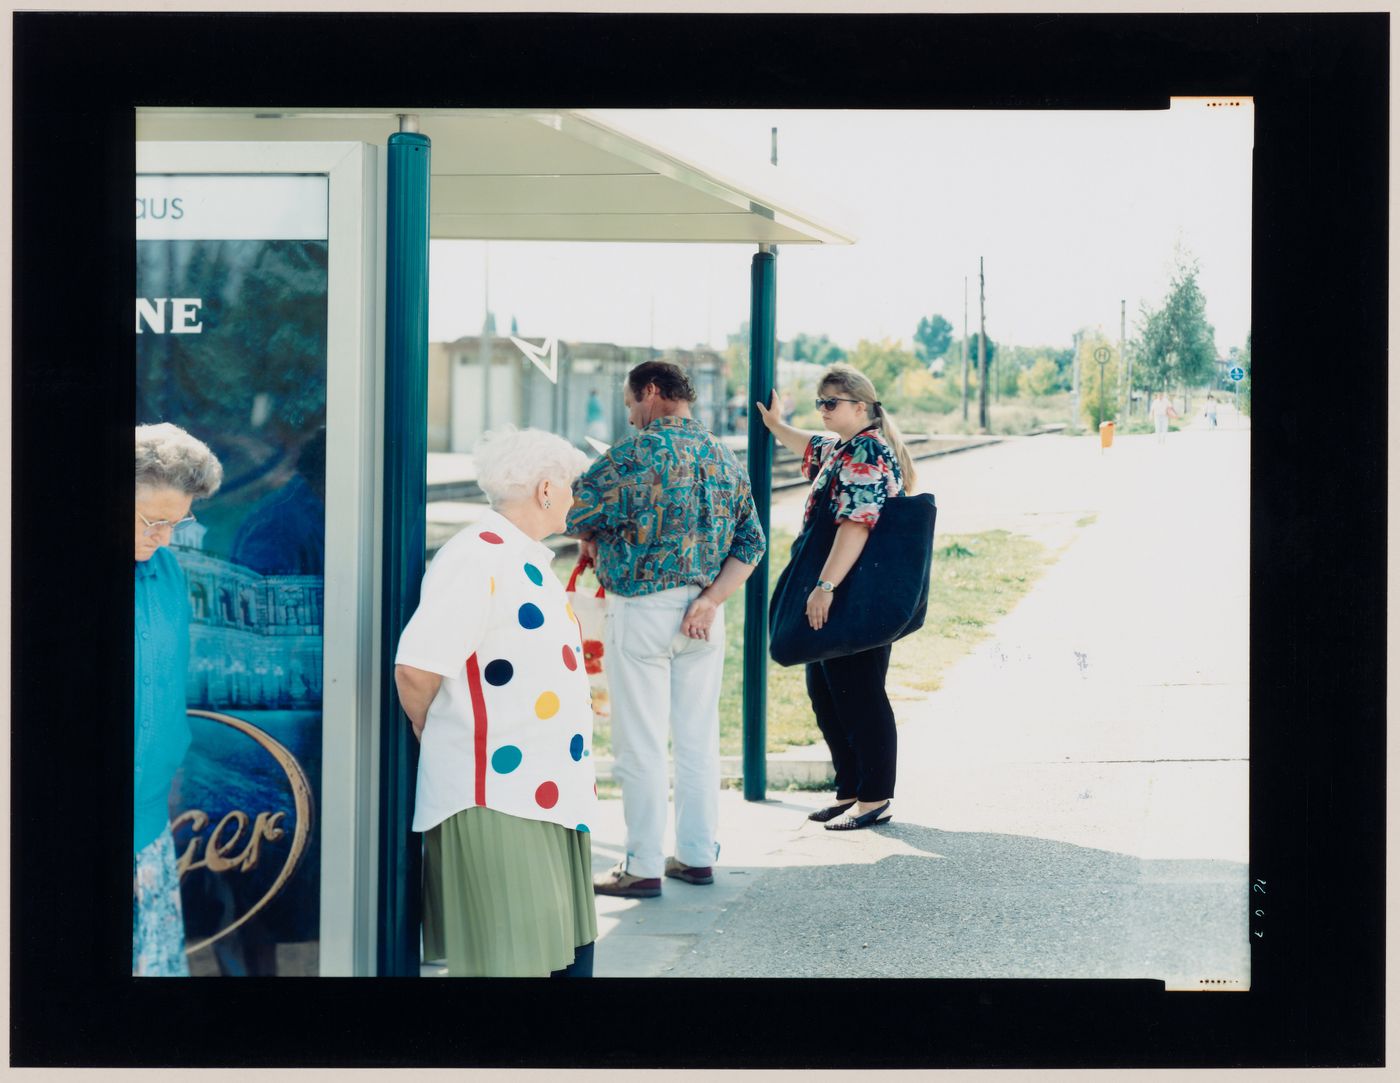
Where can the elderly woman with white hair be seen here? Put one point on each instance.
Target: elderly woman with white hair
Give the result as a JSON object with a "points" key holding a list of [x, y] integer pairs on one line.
{"points": [[172, 470], [490, 672]]}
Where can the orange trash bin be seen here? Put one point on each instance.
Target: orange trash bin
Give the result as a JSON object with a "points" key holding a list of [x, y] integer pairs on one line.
{"points": [[1106, 434]]}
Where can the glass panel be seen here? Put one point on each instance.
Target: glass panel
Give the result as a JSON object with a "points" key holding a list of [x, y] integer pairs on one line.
{"points": [[231, 346]]}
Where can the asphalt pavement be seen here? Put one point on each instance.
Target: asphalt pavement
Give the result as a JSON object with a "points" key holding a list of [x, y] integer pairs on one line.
{"points": [[1072, 802]]}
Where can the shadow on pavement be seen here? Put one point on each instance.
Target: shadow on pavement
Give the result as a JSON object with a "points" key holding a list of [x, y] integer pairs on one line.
{"points": [[941, 904]]}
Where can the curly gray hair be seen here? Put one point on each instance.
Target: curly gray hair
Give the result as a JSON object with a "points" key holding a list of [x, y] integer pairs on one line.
{"points": [[167, 457], [510, 462]]}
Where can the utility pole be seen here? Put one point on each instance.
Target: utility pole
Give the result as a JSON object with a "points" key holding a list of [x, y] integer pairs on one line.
{"points": [[964, 349], [1074, 417], [983, 418], [1123, 362], [774, 154]]}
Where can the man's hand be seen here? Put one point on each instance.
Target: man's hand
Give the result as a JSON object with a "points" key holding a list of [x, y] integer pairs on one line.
{"points": [[818, 608], [698, 618]]}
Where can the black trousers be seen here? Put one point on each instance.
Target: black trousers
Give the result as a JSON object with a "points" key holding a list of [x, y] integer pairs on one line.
{"points": [[855, 717]]}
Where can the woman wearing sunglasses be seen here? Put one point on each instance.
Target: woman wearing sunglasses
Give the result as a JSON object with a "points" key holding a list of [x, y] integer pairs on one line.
{"points": [[855, 466], [172, 470]]}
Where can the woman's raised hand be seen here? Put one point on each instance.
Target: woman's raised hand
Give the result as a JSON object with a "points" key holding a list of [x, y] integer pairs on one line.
{"points": [[772, 413]]}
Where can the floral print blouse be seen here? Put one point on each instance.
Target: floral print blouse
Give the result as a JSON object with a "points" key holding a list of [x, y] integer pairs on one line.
{"points": [[867, 474]]}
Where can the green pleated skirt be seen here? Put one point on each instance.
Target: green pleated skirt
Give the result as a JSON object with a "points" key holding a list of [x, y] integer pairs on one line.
{"points": [[504, 896]]}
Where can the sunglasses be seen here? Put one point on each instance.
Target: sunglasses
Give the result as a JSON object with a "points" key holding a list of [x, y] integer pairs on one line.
{"points": [[830, 404]]}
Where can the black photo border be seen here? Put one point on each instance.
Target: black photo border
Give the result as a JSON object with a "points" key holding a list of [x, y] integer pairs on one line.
{"points": [[1317, 561]]}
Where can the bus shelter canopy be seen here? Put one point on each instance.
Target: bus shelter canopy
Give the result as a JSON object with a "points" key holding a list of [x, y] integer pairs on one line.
{"points": [[565, 175]]}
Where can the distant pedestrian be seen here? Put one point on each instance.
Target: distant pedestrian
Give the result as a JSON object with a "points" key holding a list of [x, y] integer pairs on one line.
{"points": [[596, 425], [858, 464], [668, 515], [1160, 412], [1210, 410]]}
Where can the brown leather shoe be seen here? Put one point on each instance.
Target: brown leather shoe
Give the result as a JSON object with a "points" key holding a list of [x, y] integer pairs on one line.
{"points": [[691, 874], [618, 881]]}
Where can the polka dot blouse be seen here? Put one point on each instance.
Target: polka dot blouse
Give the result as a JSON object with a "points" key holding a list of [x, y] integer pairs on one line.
{"points": [[511, 728]]}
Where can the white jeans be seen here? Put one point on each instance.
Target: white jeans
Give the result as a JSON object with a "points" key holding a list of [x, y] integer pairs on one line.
{"points": [[661, 680]]}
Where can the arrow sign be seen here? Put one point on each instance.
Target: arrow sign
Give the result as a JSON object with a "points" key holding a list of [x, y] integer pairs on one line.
{"points": [[536, 355]]}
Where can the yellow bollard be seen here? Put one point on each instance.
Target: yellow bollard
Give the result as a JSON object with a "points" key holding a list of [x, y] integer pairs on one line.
{"points": [[1105, 434]]}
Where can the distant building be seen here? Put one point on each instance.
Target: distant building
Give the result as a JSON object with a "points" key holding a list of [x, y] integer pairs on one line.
{"points": [[472, 388]]}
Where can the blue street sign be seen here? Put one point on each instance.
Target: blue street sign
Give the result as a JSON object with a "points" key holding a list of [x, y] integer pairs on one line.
{"points": [[1237, 373]]}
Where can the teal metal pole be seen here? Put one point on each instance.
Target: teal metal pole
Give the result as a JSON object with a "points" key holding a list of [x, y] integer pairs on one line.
{"points": [[762, 330], [405, 511]]}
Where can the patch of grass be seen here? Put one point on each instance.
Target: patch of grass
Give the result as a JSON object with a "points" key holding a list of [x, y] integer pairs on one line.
{"points": [[789, 721], [1088, 520], [976, 579], [1010, 416], [608, 789]]}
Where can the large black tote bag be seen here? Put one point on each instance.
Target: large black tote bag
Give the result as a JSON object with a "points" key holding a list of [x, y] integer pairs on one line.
{"points": [[884, 597]]}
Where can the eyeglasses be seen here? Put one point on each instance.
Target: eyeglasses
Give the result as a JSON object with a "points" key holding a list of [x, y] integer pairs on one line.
{"points": [[161, 524], [830, 404]]}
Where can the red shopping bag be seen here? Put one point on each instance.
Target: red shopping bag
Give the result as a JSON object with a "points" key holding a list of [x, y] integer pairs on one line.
{"points": [[589, 611]]}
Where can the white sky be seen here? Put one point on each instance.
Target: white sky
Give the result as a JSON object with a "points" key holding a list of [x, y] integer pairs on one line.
{"points": [[1072, 211]]}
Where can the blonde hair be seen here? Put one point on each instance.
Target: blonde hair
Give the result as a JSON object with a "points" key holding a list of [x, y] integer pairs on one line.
{"points": [[856, 385]]}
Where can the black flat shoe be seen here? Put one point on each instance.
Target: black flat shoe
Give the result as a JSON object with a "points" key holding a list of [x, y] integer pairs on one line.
{"points": [[855, 823], [824, 814]]}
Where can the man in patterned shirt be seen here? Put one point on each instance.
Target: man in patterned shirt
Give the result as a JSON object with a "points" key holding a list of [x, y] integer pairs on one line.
{"points": [[668, 518]]}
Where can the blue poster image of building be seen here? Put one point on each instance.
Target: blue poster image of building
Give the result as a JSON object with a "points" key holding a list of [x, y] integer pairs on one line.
{"points": [[231, 345]]}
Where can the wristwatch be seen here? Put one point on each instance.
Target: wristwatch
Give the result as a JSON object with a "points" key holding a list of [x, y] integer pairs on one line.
{"points": [[826, 585]]}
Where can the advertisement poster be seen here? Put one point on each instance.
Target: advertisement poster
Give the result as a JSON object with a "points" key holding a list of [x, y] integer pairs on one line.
{"points": [[231, 318]]}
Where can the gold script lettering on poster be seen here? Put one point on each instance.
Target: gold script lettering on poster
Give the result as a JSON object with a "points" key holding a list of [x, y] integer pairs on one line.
{"points": [[219, 850], [266, 827]]}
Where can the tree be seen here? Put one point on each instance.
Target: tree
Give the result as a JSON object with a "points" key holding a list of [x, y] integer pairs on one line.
{"points": [[1089, 391], [933, 337], [1175, 343], [817, 351], [883, 362], [1246, 361], [954, 353], [1040, 379]]}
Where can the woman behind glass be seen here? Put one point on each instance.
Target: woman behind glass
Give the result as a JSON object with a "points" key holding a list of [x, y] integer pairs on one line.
{"points": [[858, 464], [490, 672], [173, 469]]}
